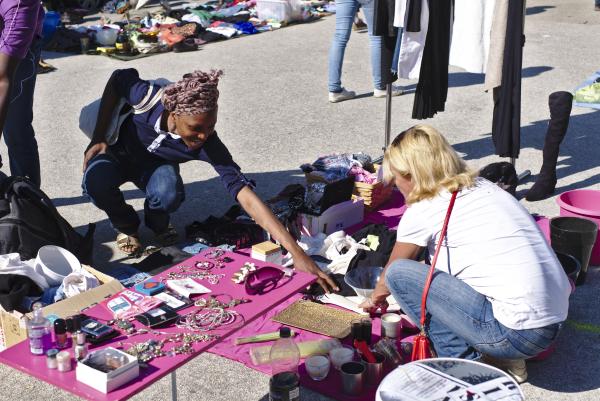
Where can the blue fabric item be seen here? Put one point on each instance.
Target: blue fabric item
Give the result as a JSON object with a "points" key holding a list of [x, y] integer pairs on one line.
{"points": [[48, 296], [135, 279], [60, 294], [27, 302], [245, 27], [461, 321], [337, 166], [344, 17], [138, 133], [123, 271], [194, 248]]}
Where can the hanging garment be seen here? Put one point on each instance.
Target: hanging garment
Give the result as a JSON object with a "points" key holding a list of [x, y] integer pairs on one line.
{"points": [[471, 34], [506, 124], [493, 71], [413, 43], [432, 89], [413, 15], [383, 25], [399, 13]]}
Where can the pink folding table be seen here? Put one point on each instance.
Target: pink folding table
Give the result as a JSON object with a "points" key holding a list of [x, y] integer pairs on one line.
{"points": [[20, 358]]}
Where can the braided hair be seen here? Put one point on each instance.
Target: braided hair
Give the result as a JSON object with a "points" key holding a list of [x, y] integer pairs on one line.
{"points": [[195, 93]]}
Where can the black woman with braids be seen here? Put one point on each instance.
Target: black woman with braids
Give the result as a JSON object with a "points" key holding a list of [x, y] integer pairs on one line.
{"points": [[167, 126]]}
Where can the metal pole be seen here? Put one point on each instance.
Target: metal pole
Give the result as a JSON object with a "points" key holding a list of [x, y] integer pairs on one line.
{"points": [[388, 114], [173, 386], [513, 160]]}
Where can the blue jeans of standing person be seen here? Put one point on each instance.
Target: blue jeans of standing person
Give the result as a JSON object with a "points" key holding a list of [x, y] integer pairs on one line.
{"points": [[461, 320], [160, 181], [19, 136], [345, 10]]}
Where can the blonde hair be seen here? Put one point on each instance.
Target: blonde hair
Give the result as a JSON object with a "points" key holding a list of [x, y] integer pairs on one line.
{"points": [[424, 154]]}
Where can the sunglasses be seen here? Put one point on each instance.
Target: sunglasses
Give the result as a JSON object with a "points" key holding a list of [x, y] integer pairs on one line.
{"points": [[263, 280]]}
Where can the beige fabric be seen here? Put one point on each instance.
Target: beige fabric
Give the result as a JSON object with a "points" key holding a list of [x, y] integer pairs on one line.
{"points": [[493, 76]]}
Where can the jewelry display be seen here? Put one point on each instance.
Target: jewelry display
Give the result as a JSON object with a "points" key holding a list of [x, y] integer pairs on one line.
{"points": [[151, 349], [212, 278], [208, 319], [203, 265], [213, 253], [213, 302]]}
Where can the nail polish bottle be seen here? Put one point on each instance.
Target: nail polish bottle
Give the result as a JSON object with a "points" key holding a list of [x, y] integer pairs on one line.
{"points": [[60, 334]]}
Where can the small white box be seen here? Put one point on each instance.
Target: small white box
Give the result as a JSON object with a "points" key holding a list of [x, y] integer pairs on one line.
{"points": [[267, 252], [107, 382], [335, 218]]}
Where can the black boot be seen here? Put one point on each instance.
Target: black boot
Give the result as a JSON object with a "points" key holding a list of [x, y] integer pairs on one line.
{"points": [[560, 109]]}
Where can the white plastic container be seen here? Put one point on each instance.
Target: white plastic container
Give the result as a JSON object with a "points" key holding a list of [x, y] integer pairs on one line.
{"points": [[280, 10], [335, 218], [106, 382]]}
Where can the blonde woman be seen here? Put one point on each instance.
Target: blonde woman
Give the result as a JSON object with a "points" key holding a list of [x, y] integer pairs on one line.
{"points": [[498, 290]]}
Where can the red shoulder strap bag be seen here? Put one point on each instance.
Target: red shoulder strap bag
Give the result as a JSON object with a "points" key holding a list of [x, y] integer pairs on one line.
{"points": [[421, 345]]}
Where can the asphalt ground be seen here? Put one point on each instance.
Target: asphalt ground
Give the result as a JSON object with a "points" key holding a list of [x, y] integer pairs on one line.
{"points": [[274, 116]]}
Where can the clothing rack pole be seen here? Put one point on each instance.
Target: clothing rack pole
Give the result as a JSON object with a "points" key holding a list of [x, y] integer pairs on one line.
{"points": [[513, 160], [388, 115]]}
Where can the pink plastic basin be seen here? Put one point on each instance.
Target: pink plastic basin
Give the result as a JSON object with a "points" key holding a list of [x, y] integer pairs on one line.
{"points": [[583, 203]]}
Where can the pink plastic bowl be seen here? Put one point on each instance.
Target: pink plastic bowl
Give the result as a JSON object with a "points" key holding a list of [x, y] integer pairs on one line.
{"points": [[583, 203]]}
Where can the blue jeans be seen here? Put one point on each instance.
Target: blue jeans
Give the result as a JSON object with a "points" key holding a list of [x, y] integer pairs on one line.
{"points": [[345, 10], [461, 322], [18, 130], [161, 183]]}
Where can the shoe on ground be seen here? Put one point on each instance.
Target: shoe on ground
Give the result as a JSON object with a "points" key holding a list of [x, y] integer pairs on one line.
{"points": [[336, 97], [359, 26], [396, 91], [516, 368], [597, 8]]}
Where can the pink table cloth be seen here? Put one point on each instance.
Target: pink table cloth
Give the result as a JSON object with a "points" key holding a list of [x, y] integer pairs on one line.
{"points": [[330, 387], [20, 358]]}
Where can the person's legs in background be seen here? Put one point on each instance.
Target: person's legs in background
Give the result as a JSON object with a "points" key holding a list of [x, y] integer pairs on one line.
{"points": [[344, 17], [376, 46], [18, 129], [597, 5]]}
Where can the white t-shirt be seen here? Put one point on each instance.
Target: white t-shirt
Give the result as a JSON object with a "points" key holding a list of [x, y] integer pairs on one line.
{"points": [[494, 245]]}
